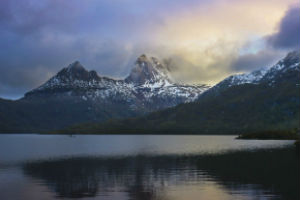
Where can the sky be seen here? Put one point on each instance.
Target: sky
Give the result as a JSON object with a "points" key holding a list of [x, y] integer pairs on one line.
{"points": [[203, 41]]}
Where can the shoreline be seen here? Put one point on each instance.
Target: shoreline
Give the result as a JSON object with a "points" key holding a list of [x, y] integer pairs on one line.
{"points": [[238, 137]]}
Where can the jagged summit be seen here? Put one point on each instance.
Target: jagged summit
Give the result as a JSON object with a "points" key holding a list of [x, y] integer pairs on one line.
{"points": [[148, 87], [142, 58], [142, 71], [75, 71], [75, 66], [291, 58], [148, 71], [76, 95]]}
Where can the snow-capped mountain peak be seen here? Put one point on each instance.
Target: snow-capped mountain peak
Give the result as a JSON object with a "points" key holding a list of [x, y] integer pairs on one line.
{"points": [[75, 65], [148, 86], [76, 71], [253, 77], [264, 75], [147, 71]]}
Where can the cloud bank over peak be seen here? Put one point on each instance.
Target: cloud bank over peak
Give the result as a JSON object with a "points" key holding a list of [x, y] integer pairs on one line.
{"points": [[205, 41], [287, 35]]}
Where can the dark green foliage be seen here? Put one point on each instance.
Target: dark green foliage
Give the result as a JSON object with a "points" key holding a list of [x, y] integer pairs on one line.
{"points": [[246, 108], [297, 143], [288, 134], [46, 113], [271, 105]]}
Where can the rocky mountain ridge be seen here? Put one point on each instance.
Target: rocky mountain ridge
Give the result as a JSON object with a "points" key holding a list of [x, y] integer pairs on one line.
{"points": [[262, 102], [75, 95], [149, 85], [289, 63]]}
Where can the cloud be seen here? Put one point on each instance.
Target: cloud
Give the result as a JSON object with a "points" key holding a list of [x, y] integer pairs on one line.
{"points": [[288, 34], [203, 37], [32, 62], [252, 61], [285, 38], [32, 16], [207, 66], [17, 81], [208, 39]]}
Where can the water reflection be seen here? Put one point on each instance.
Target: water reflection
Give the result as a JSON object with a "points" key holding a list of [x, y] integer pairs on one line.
{"points": [[260, 174]]}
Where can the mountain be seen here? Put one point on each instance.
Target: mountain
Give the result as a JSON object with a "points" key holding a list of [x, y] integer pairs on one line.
{"points": [[148, 71], [275, 75], [148, 87], [76, 95], [261, 101]]}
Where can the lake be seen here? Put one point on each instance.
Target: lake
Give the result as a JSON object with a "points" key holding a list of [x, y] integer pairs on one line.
{"points": [[146, 167]]}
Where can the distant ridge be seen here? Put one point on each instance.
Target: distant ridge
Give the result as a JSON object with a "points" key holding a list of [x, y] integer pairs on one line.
{"points": [[263, 101], [76, 95]]}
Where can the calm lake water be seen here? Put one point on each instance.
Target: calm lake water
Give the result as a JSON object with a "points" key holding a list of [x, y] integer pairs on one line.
{"points": [[143, 167]]}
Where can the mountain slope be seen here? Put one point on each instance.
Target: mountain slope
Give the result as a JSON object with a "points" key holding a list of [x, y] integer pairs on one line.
{"points": [[75, 95], [148, 87], [268, 101]]}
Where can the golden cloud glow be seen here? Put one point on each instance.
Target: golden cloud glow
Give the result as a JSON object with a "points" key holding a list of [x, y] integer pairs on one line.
{"points": [[213, 34]]}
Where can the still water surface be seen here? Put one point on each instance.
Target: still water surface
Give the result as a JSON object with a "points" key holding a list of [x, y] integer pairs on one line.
{"points": [[146, 167]]}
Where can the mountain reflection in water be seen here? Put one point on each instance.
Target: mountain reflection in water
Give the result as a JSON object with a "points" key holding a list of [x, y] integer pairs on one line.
{"points": [[259, 174]]}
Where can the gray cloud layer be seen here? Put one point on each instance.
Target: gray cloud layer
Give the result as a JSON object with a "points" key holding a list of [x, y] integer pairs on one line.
{"points": [[38, 38], [252, 61], [288, 35]]}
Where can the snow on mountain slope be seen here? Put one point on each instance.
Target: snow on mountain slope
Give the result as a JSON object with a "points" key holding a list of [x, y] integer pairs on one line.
{"points": [[148, 71], [153, 80], [289, 63], [253, 77], [149, 86], [75, 80]]}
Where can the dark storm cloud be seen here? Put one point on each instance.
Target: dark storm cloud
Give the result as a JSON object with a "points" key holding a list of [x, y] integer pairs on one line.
{"points": [[288, 35], [29, 64], [38, 38], [31, 16], [253, 61]]}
